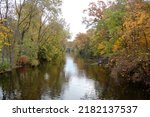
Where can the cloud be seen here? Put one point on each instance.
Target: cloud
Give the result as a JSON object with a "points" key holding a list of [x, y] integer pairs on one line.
{"points": [[73, 12]]}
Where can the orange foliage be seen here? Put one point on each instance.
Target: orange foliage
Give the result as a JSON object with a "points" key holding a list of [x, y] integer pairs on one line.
{"points": [[136, 26], [23, 60], [95, 12]]}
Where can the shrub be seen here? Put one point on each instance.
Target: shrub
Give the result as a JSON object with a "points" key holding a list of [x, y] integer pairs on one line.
{"points": [[42, 54], [131, 67], [23, 60], [4, 66], [34, 62]]}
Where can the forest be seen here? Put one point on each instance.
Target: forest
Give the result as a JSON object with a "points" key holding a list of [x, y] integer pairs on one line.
{"points": [[31, 31], [119, 36]]}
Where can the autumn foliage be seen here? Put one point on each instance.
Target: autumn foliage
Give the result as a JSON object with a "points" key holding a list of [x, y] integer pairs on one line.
{"points": [[5, 33], [23, 60], [27, 27], [121, 32]]}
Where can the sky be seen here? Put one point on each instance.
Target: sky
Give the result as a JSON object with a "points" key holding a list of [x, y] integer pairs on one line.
{"points": [[73, 12]]}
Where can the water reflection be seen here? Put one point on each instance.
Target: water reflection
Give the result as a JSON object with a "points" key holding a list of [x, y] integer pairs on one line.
{"points": [[74, 79], [78, 85]]}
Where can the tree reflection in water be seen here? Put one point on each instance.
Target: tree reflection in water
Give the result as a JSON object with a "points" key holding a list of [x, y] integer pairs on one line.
{"points": [[75, 79]]}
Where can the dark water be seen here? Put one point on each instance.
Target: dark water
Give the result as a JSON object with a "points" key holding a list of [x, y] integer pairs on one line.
{"points": [[75, 79]]}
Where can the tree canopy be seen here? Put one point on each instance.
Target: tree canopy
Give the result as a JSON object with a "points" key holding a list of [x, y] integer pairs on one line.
{"points": [[121, 32], [31, 31]]}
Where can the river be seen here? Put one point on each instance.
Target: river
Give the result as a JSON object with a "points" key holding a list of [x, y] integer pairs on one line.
{"points": [[75, 79]]}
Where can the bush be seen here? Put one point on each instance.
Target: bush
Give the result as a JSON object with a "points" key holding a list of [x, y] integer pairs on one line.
{"points": [[42, 54], [23, 60], [131, 67], [4, 66], [34, 62]]}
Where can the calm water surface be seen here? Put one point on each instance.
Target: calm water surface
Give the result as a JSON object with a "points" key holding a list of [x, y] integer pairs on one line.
{"points": [[75, 79]]}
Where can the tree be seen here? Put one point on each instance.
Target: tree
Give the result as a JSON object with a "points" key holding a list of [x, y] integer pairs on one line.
{"points": [[94, 12], [5, 19], [122, 34], [136, 27], [108, 26], [5, 33], [29, 26], [82, 43]]}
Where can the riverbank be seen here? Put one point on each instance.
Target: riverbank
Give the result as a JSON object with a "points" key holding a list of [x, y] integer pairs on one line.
{"points": [[9, 69], [132, 68], [76, 78]]}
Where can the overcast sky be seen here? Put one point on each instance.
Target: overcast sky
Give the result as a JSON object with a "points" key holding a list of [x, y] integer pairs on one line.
{"points": [[73, 13]]}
